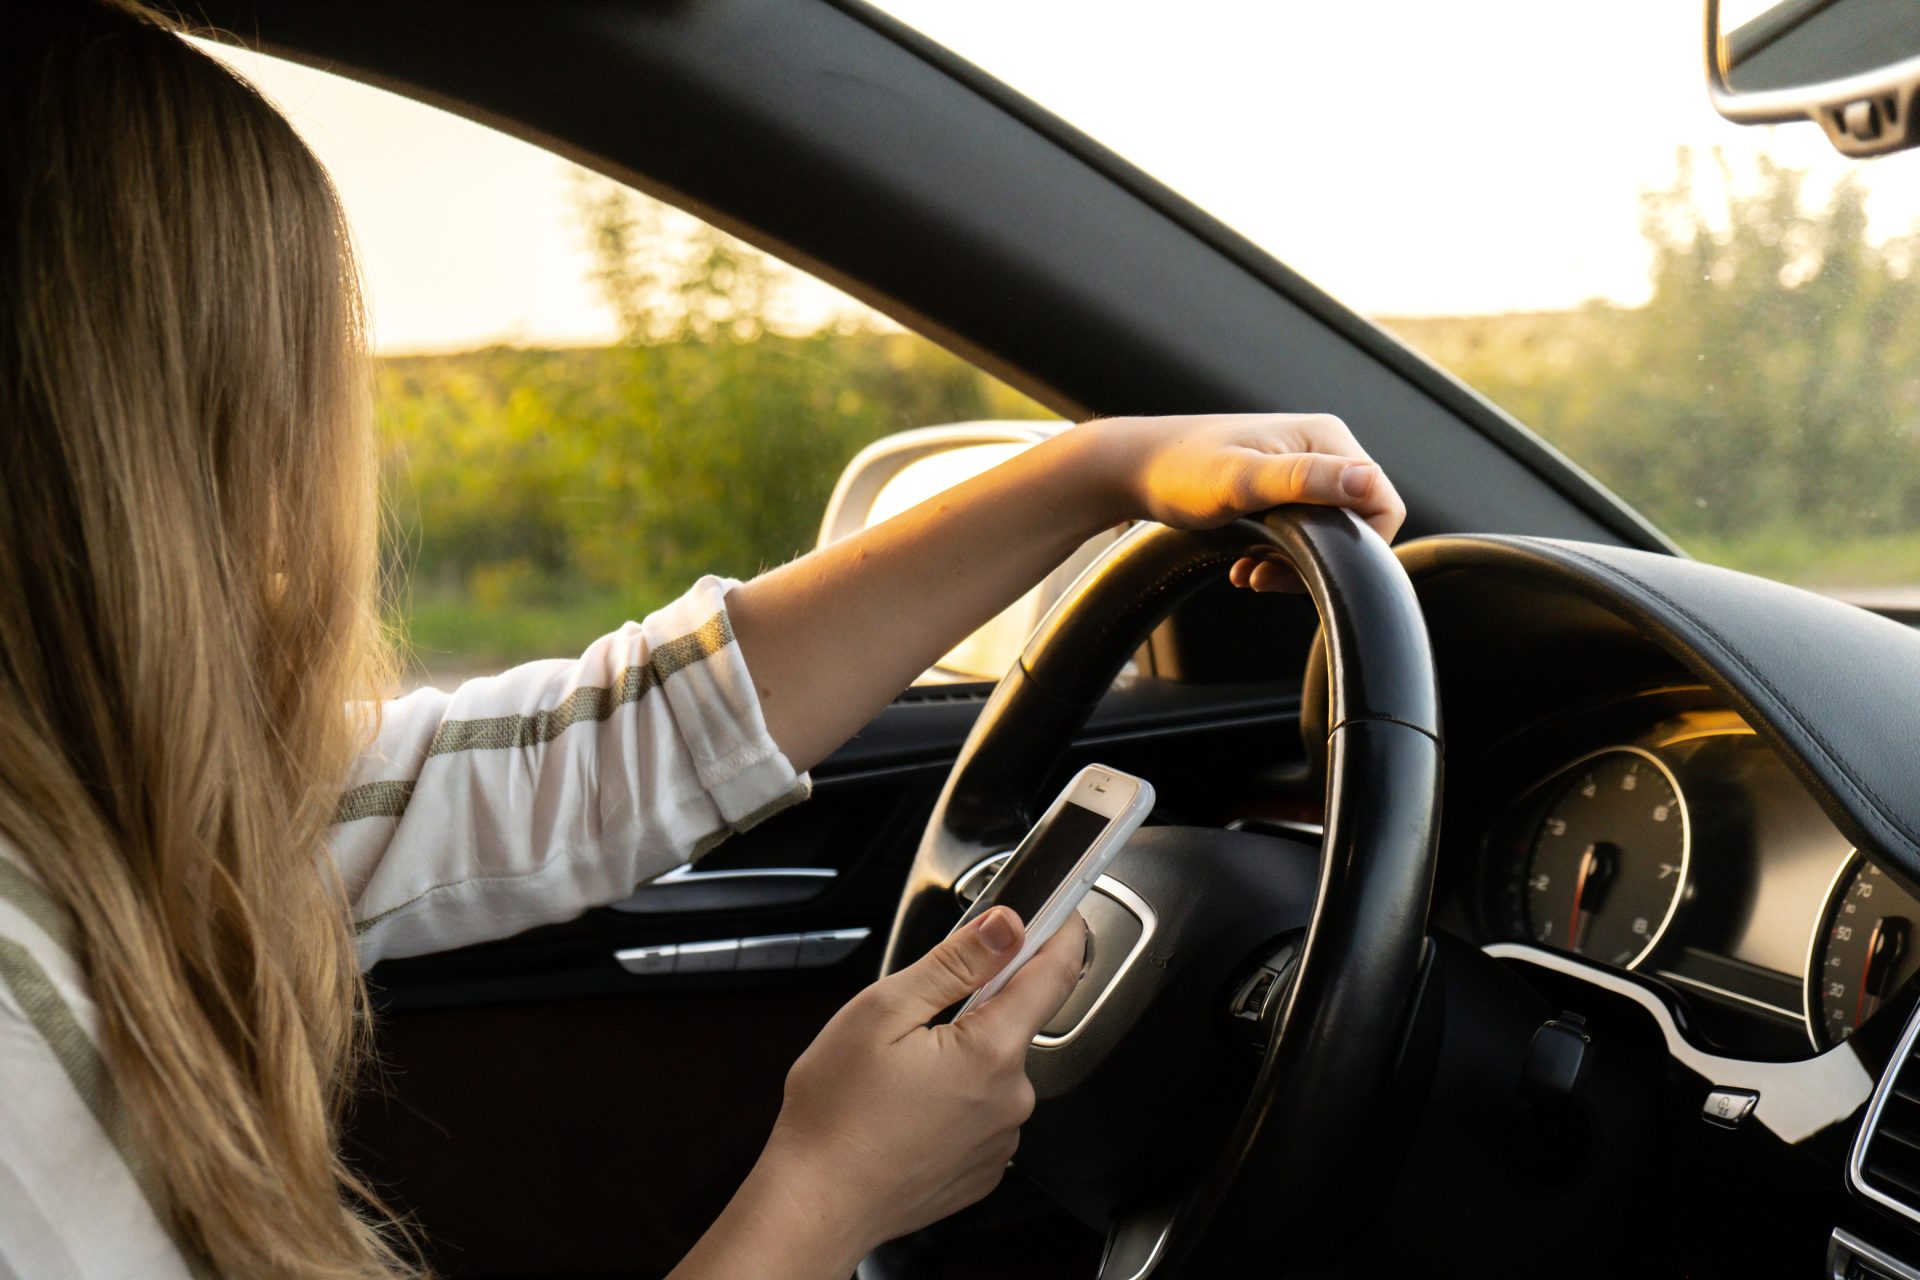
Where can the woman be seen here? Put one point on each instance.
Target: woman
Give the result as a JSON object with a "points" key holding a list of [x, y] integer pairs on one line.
{"points": [[187, 556]]}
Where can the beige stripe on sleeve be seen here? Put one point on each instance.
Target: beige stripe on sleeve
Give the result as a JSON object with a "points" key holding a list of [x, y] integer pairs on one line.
{"points": [[31, 898], [588, 704], [50, 1016]]}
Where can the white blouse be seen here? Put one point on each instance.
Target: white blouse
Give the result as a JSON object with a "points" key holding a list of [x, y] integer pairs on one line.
{"points": [[516, 800]]}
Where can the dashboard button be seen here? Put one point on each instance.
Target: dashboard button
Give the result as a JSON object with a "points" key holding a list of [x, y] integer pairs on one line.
{"points": [[779, 951], [648, 960], [708, 957], [1728, 1107], [818, 950]]}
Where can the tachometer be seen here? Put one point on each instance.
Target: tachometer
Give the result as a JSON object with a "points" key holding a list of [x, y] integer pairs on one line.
{"points": [[1863, 951], [1607, 863]]}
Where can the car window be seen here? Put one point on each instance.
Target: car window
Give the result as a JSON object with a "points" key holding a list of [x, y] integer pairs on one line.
{"points": [[1722, 324], [587, 399]]}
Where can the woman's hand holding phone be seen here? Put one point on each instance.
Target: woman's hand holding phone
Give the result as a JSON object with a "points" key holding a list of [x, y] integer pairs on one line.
{"points": [[890, 1124]]}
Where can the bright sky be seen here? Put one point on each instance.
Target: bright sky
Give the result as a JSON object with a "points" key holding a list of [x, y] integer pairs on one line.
{"points": [[1412, 158]]}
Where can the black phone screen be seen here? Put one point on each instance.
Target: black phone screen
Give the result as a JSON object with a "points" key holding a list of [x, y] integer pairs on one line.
{"points": [[1044, 860]]}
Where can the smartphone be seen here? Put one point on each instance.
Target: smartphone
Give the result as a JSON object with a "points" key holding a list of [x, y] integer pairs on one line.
{"points": [[1058, 861]]}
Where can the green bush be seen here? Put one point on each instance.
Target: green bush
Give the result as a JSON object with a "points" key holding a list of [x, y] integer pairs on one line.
{"points": [[531, 485], [1763, 407]]}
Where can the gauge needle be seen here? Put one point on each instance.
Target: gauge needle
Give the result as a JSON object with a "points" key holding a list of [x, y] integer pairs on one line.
{"points": [[1884, 948], [1590, 883]]}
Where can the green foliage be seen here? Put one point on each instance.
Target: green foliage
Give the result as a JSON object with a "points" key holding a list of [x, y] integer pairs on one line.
{"points": [[1764, 406], [539, 498], [670, 277]]}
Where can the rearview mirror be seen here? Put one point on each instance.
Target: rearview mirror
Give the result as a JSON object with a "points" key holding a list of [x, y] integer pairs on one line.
{"points": [[1850, 66]]}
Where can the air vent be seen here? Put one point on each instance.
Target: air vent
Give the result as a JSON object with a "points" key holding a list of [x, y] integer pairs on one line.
{"points": [[954, 691], [1885, 1167]]}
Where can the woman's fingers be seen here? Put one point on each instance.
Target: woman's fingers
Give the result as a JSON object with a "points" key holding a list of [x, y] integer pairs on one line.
{"points": [[888, 1124], [1200, 472], [1265, 575], [1031, 998], [962, 964], [1329, 480]]}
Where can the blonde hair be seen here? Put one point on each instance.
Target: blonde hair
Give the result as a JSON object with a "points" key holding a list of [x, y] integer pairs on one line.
{"points": [[188, 552]]}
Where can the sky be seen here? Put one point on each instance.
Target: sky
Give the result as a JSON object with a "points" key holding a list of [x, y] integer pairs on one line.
{"points": [[1411, 158]]}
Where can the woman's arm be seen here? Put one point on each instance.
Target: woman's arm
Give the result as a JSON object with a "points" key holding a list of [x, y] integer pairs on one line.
{"points": [[889, 1123], [525, 798], [832, 637]]}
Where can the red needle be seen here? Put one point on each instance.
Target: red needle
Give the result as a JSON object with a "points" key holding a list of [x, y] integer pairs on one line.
{"points": [[1579, 891], [1873, 948]]}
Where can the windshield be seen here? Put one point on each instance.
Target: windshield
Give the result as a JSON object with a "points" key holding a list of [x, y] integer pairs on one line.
{"points": [[1720, 323]]}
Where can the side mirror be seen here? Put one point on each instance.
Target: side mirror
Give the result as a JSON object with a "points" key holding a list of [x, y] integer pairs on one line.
{"points": [[907, 468], [1850, 66]]}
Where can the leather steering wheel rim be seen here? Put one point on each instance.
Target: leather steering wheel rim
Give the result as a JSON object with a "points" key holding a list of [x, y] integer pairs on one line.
{"points": [[1298, 1142]]}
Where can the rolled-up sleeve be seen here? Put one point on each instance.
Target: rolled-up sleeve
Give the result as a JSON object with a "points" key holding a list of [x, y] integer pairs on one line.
{"points": [[525, 798]]}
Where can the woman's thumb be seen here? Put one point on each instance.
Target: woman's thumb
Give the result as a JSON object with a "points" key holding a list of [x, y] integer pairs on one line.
{"points": [[963, 963]]}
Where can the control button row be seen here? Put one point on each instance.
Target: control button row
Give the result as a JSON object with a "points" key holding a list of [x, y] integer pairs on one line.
{"points": [[731, 955]]}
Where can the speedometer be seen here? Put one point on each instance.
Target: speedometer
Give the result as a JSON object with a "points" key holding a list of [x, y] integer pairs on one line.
{"points": [[1605, 868], [1863, 951]]}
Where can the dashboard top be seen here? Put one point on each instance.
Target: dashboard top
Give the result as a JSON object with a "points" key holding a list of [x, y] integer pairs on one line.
{"points": [[1524, 628]]}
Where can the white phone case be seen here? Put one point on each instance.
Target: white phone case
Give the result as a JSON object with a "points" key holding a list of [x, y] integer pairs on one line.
{"points": [[1121, 798]]}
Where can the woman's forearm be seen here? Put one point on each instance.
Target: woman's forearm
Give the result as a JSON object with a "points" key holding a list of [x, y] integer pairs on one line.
{"points": [[832, 637], [770, 1231]]}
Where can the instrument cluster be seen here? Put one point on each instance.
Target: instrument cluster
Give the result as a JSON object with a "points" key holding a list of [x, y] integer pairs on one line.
{"points": [[1685, 851]]}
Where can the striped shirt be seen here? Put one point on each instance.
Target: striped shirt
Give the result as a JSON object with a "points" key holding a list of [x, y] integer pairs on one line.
{"points": [[516, 800]]}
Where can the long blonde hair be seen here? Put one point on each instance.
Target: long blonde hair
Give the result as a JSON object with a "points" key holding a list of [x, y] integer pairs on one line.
{"points": [[188, 564]]}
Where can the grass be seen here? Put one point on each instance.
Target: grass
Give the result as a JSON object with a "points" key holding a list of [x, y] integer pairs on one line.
{"points": [[1806, 558], [450, 636]]}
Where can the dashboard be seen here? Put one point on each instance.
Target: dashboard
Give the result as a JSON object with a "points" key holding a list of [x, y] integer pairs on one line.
{"points": [[1660, 835], [1674, 900]]}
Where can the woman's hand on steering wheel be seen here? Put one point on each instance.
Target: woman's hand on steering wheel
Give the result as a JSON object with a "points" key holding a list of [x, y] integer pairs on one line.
{"points": [[1200, 471], [834, 635]]}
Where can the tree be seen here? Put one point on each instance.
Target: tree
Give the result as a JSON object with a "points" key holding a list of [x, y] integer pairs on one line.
{"points": [[670, 277], [1765, 403]]}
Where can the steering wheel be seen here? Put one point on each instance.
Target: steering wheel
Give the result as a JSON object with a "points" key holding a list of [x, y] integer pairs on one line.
{"points": [[1212, 1120]]}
